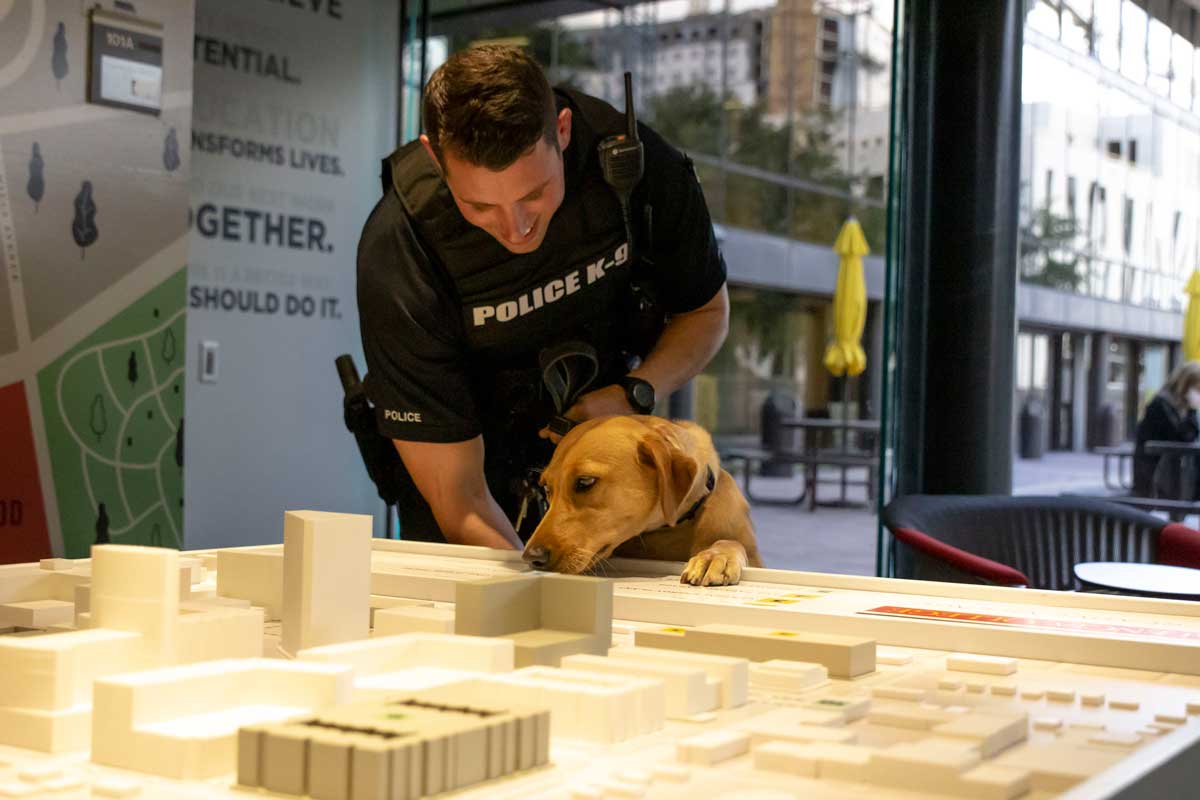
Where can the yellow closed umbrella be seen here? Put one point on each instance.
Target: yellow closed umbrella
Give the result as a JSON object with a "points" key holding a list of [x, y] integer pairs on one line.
{"points": [[1191, 320], [845, 355]]}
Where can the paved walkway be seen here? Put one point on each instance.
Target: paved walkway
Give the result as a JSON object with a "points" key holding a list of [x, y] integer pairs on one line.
{"points": [[844, 539]]}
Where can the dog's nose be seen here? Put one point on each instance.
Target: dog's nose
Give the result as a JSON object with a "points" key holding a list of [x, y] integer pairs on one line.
{"points": [[537, 557]]}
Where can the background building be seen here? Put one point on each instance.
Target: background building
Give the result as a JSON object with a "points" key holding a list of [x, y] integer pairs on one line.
{"points": [[1110, 211]]}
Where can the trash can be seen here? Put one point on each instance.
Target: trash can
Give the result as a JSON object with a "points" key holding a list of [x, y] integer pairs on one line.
{"points": [[775, 437], [1033, 416]]}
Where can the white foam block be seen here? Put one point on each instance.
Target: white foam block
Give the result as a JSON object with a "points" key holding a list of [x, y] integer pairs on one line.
{"points": [[215, 632], [182, 722], [924, 765], [985, 665], [36, 613], [787, 676], [383, 654], [137, 589], [733, 673], [413, 619], [254, 574], [783, 756], [326, 578], [781, 725], [992, 731], [713, 747], [688, 690]]}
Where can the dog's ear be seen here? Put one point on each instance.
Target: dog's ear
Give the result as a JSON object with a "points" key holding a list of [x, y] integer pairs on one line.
{"points": [[676, 472]]}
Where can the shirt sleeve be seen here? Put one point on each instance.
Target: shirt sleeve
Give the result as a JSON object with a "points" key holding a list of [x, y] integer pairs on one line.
{"points": [[417, 377], [688, 267]]}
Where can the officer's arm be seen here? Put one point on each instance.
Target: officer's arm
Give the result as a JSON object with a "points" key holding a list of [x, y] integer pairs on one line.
{"points": [[687, 344], [450, 478]]}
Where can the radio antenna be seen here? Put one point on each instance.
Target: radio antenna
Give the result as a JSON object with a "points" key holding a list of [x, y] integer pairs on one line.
{"points": [[630, 117]]}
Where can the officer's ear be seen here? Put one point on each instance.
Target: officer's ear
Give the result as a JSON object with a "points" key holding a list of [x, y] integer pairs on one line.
{"points": [[429, 149], [563, 129]]}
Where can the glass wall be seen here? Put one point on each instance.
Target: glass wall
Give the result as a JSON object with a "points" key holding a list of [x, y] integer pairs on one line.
{"points": [[784, 107]]}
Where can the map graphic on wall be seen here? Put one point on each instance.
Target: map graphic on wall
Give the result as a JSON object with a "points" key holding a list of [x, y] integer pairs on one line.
{"points": [[113, 409], [93, 253]]}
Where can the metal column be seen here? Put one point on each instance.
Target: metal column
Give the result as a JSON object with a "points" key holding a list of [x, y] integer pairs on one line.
{"points": [[958, 283]]}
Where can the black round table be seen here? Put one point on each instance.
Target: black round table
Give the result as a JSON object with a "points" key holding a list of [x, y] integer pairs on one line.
{"points": [[1151, 580]]}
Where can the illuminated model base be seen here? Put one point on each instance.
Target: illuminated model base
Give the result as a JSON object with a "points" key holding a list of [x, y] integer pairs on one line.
{"points": [[337, 666]]}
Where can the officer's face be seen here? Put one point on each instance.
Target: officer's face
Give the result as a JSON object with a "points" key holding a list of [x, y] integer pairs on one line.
{"points": [[514, 204]]}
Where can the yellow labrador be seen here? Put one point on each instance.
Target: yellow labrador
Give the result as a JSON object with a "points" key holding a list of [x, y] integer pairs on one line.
{"points": [[643, 487]]}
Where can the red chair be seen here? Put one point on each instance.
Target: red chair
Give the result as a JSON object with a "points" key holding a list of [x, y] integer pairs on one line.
{"points": [[1025, 541]]}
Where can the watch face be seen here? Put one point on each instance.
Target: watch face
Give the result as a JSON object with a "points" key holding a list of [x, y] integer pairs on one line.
{"points": [[644, 395]]}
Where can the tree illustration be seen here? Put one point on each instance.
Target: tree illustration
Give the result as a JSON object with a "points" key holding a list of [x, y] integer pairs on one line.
{"points": [[171, 151], [37, 179], [83, 227], [58, 61], [102, 526], [133, 369], [179, 445], [168, 346], [99, 421]]}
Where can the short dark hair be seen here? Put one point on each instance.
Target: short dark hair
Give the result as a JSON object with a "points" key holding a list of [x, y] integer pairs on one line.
{"points": [[489, 105]]}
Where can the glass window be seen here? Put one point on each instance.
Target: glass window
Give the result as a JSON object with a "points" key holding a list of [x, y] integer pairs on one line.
{"points": [[1182, 59], [1133, 42], [1024, 362], [1127, 226], [1106, 31], [1159, 58], [1043, 18], [1041, 361], [1077, 25], [1071, 214]]}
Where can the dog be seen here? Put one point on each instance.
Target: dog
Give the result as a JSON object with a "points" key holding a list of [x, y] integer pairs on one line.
{"points": [[643, 487]]}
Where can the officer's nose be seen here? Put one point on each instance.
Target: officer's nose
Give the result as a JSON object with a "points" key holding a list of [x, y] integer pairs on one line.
{"points": [[537, 557], [518, 225]]}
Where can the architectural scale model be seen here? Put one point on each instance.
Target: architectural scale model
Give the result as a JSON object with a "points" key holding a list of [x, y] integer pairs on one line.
{"points": [[338, 667]]}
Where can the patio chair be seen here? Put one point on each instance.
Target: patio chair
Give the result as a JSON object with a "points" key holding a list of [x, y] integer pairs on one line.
{"points": [[1026, 541]]}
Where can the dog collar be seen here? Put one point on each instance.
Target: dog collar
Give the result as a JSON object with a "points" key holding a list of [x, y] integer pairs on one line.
{"points": [[709, 483]]}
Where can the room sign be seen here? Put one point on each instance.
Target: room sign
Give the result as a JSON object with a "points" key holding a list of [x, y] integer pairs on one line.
{"points": [[126, 62]]}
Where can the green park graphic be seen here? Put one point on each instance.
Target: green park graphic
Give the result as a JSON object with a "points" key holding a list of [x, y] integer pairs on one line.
{"points": [[113, 408]]}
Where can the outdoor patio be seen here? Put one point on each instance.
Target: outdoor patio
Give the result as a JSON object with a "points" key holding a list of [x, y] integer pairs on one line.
{"points": [[843, 539]]}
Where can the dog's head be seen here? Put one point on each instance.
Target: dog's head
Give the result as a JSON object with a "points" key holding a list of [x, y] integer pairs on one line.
{"points": [[609, 480]]}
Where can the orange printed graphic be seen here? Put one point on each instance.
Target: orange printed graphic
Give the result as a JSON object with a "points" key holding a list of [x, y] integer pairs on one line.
{"points": [[1031, 622]]}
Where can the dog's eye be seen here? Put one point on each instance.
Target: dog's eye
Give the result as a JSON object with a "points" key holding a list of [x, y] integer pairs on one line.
{"points": [[583, 483]]}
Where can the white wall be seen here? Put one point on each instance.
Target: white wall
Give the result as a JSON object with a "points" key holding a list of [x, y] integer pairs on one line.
{"points": [[267, 435]]}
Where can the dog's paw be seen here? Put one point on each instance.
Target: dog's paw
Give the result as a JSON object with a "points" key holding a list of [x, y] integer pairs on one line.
{"points": [[712, 567]]}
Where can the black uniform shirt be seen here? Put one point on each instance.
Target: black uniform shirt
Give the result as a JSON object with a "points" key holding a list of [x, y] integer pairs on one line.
{"points": [[445, 309]]}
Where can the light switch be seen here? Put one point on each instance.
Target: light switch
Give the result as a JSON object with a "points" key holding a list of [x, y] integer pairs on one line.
{"points": [[210, 362]]}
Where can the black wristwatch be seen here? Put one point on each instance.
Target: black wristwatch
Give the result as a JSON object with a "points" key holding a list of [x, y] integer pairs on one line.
{"points": [[639, 393]]}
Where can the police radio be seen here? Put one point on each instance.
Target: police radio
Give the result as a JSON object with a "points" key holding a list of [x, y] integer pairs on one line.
{"points": [[621, 159]]}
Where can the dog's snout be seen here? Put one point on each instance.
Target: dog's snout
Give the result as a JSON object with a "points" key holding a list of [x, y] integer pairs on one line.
{"points": [[537, 557]]}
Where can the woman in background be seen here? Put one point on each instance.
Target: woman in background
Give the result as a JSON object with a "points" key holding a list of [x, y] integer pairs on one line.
{"points": [[1169, 417]]}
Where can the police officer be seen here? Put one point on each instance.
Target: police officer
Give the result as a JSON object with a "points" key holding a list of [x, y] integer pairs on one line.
{"points": [[497, 237]]}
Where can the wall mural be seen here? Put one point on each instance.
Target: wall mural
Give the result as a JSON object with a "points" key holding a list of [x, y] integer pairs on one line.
{"points": [[92, 287]]}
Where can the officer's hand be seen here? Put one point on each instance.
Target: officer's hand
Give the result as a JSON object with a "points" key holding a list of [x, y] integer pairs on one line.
{"points": [[599, 403]]}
